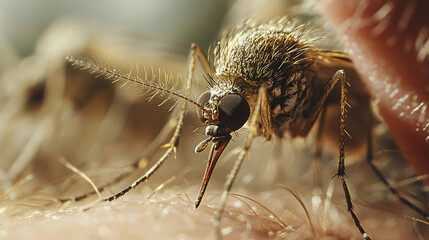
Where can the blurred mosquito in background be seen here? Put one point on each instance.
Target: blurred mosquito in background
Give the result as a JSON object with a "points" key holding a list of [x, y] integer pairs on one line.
{"points": [[269, 75]]}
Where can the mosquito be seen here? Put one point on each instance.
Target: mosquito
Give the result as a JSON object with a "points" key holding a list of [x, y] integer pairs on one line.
{"points": [[269, 76]]}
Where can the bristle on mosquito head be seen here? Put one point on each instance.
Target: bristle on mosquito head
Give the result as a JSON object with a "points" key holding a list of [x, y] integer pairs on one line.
{"points": [[148, 83]]}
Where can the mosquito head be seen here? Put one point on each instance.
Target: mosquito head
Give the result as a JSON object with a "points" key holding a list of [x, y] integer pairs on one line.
{"points": [[224, 107], [224, 111]]}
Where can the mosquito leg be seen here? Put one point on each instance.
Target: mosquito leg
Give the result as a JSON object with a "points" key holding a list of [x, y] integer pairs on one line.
{"points": [[370, 160], [174, 141], [156, 143], [171, 148], [319, 105], [340, 75], [231, 177], [305, 128], [202, 58]]}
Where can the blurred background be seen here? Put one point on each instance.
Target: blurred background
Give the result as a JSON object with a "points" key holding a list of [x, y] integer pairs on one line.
{"points": [[52, 114]]}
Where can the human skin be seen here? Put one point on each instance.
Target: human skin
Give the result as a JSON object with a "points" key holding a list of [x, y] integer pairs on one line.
{"points": [[167, 218]]}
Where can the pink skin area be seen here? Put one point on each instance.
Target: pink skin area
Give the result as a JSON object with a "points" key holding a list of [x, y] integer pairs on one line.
{"points": [[389, 43], [171, 216]]}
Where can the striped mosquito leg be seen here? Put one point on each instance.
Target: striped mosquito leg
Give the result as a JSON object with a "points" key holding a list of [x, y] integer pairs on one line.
{"points": [[145, 177], [340, 75], [156, 143]]}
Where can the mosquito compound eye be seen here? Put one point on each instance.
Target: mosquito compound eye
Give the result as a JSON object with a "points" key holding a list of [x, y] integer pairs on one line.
{"points": [[202, 100], [233, 111]]}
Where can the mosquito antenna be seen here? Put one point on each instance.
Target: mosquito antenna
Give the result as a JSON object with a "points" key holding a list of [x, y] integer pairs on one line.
{"points": [[117, 76]]}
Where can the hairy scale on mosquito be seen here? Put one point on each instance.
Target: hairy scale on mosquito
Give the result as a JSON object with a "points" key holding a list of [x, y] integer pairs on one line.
{"points": [[271, 75]]}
